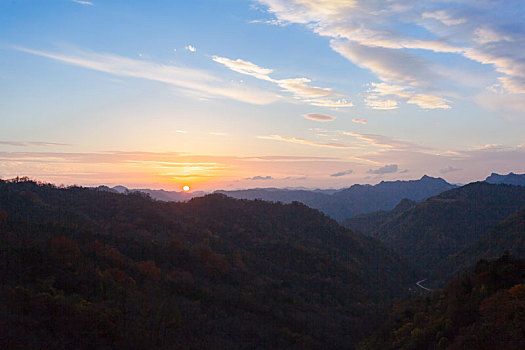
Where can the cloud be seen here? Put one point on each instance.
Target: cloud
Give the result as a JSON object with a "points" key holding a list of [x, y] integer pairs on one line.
{"points": [[81, 2], [444, 17], [487, 35], [302, 141], [319, 117], [403, 42], [380, 90], [299, 87], [360, 121], [255, 178], [384, 141], [403, 171], [391, 65], [449, 169], [196, 81], [387, 169], [245, 67], [31, 143], [342, 173], [190, 48]]}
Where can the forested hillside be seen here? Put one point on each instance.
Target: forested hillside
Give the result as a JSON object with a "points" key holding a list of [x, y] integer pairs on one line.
{"points": [[429, 232], [484, 310], [88, 269], [507, 236]]}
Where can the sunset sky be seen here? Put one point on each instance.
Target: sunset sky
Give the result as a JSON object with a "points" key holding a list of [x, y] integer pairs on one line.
{"points": [[225, 94]]}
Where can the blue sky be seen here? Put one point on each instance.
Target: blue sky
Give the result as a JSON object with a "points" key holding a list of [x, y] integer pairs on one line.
{"points": [[266, 93]]}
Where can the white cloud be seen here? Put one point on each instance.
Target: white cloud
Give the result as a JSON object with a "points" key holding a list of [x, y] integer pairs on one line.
{"points": [[194, 80], [444, 17], [190, 48], [81, 2], [380, 104], [488, 35], [245, 67], [299, 87], [398, 41], [380, 90]]}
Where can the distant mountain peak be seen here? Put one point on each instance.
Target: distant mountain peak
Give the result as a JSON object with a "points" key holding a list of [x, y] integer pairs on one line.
{"points": [[509, 179]]}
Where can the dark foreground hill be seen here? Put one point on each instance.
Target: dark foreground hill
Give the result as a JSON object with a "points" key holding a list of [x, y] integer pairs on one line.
{"points": [[354, 200], [85, 269], [483, 310], [429, 232], [507, 236]]}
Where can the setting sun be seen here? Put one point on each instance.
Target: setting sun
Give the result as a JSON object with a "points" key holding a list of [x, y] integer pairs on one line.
{"points": [[185, 188]]}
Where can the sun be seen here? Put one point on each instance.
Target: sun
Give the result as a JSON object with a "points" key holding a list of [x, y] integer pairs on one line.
{"points": [[185, 188]]}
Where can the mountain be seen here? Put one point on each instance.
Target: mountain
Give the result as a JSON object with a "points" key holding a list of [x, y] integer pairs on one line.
{"points": [[429, 232], [484, 309], [160, 195], [371, 222], [83, 268], [509, 179], [357, 199], [507, 236]]}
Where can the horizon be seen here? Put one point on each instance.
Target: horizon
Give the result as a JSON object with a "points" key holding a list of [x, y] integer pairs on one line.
{"points": [[213, 190], [318, 94]]}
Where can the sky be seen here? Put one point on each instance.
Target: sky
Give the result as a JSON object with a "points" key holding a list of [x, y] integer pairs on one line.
{"points": [[229, 94]]}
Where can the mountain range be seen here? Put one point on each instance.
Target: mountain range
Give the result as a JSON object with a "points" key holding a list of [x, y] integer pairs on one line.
{"points": [[428, 233], [353, 200]]}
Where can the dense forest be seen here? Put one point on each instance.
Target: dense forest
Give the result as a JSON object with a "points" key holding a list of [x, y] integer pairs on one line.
{"points": [[84, 269], [428, 233], [484, 310]]}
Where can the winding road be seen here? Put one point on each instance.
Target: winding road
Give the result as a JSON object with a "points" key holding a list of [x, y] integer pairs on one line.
{"points": [[420, 286]]}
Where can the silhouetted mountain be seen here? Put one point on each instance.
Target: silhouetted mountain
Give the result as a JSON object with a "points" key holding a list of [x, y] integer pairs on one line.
{"points": [[507, 236], [481, 310], [83, 268], [509, 179], [430, 231], [357, 199], [160, 195]]}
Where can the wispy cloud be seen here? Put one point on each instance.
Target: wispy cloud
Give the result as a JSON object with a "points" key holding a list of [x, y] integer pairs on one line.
{"points": [[387, 169], [81, 2], [342, 173], [360, 121], [299, 87], [198, 81], [449, 169], [302, 141], [444, 17], [190, 48], [385, 141], [319, 117], [31, 143], [379, 91], [259, 178]]}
